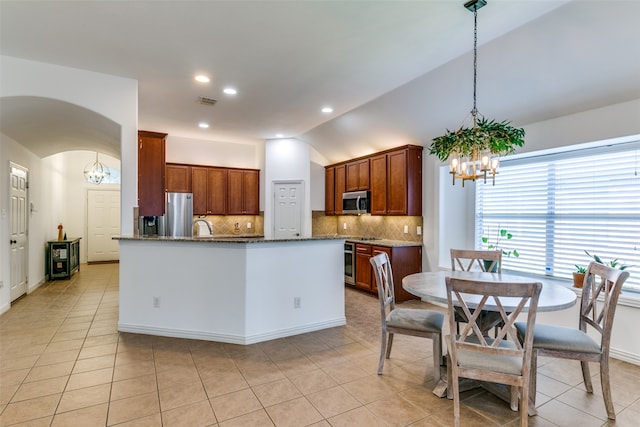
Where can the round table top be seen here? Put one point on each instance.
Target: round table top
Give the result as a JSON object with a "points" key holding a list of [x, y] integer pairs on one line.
{"points": [[431, 287]]}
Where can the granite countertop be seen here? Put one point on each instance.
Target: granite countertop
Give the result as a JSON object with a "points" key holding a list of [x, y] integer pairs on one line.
{"points": [[383, 242], [250, 238]]}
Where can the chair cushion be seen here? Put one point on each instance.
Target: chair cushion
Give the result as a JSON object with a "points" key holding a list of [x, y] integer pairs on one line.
{"points": [[416, 319], [488, 362], [560, 338]]}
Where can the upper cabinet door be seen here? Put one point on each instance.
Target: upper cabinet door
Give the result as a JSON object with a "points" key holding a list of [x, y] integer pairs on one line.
{"points": [[178, 178], [378, 185], [200, 190], [217, 191], [151, 173], [340, 187], [243, 192], [329, 191], [357, 175]]}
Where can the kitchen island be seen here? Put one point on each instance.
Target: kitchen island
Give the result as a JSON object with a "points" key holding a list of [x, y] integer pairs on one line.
{"points": [[239, 290]]}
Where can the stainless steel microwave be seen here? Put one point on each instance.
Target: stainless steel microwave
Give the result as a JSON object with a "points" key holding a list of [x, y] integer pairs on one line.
{"points": [[355, 202]]}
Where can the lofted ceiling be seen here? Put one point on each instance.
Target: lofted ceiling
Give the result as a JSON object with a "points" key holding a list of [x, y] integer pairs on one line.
{"points": [[394, 71]]}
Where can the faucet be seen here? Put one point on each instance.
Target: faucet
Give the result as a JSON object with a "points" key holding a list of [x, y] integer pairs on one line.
{"points": [[195, 221]]}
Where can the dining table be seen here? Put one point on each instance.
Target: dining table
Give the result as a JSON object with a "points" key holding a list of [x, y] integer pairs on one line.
{"points": [[431, 287]]}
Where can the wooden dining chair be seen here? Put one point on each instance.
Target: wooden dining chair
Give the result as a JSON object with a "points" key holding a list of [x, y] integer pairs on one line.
{"points": [[473, 260], [503, 359], [469, 260], [407, 321], [600, 291]]}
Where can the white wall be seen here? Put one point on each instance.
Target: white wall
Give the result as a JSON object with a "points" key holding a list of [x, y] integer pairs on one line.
{"points": [[65, 193], [115, 98], [11, 151], [287, 160]]}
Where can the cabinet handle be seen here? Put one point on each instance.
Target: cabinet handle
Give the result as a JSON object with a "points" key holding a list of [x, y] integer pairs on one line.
{"points": [[11, 242]]}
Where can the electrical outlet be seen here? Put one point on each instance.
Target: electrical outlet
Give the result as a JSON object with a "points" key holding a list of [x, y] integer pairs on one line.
{"points": [[156, 302], [297, 302], [248, 226], [406, 229], [419, 230], [344, 226]]}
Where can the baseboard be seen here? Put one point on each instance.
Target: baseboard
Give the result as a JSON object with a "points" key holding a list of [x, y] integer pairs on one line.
{"points": [[36, 286], [230, 338], [4, 308], [625, 356]]}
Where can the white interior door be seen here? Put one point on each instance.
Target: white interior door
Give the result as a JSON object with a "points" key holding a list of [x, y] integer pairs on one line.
{"points": [[18, 234], [103, 222], [288, 209]]}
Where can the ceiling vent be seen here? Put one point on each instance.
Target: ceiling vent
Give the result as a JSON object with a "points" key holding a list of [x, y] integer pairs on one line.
{"points": [[207, 101]]}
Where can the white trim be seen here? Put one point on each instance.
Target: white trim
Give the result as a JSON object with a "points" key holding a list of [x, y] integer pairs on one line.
{"points": [[36, 286], [625, 356], [227, 338]]}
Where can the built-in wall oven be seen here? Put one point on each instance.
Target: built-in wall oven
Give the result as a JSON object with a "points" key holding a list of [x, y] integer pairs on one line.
{"points": [[349, 263]]}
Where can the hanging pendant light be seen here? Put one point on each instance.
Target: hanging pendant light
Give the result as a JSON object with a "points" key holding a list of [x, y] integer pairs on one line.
{"points": [[473, 151], [96, 172]]}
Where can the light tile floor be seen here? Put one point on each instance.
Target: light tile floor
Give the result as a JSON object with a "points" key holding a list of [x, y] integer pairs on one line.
{"points": [[63, 363]]}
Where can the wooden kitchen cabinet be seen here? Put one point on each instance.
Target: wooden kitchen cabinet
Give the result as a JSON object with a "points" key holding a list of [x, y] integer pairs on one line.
{"points": [[363, 267], [393, 177], [243, 191], [357, 173], [329, 190], [405, 260], [340, 187], [178, 178], [378, 200], [151, 173], [396, 182], [209, 187]]}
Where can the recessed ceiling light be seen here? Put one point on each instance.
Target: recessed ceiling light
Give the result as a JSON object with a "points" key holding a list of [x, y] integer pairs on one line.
{"points": [[202, 79], [203, 125], [327, 110], [279, 135], [230, 91]]}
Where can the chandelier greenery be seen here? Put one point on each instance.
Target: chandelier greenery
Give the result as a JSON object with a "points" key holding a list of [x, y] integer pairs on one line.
{"points": [[473, 151]]}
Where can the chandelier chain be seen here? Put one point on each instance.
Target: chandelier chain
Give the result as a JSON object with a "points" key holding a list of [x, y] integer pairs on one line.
{"points": [[474, 112]]}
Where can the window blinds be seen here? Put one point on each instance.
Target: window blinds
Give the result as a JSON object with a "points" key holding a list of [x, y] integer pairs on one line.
{"points": [[558, 206]]}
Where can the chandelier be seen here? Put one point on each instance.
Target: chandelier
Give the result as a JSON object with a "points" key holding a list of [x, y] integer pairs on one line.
{"points": [[96, 172], [473, 152]]}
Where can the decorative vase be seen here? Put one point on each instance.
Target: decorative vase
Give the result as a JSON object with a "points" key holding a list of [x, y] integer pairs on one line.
{"points": [[578, 280]]}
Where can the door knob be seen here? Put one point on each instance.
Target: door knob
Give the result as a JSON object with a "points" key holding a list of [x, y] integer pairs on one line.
{"points": [[12, 242]]}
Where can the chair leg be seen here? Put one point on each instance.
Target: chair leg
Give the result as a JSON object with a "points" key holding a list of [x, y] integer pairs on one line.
{"points": [[454, 385], [383, 347], [524, 404], [389, 344], [533, 379], [586, 376], [437, 356], [514, 394], [606, 388], [449, 378]]}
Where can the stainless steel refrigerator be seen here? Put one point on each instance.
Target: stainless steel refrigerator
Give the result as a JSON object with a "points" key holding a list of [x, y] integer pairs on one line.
{"points": [[179, 215]]}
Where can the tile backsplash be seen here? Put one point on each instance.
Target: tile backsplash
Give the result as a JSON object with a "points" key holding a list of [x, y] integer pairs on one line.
{"points": [[226, 224], [382, 227]]}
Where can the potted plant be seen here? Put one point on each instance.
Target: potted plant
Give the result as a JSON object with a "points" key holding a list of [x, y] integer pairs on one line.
{"points": [[495, 243], [578, 276], [614, 263]]}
